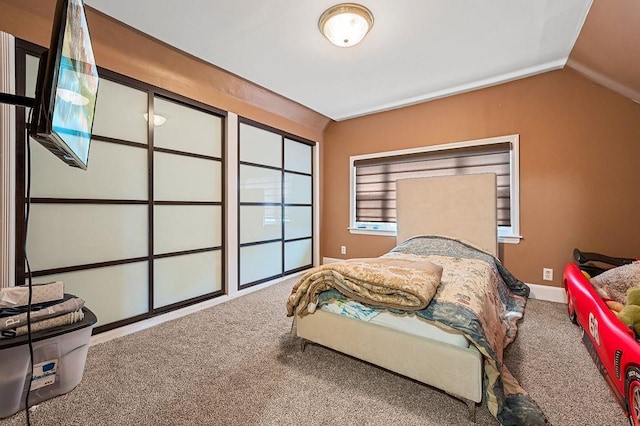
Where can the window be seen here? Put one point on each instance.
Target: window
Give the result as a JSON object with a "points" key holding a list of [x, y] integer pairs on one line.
{"points": [[373, 180]]}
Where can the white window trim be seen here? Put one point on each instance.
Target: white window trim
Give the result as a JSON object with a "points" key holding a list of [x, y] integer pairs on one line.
{"points": [[510, 235]]}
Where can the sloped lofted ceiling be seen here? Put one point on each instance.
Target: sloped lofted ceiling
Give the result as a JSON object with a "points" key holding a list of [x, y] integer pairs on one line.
{"points": [[608, 49], [417, 50]]}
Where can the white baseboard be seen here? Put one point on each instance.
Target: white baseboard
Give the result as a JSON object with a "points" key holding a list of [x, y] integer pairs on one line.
{"points": [[538, 291], [178, 313], [547, 292]]}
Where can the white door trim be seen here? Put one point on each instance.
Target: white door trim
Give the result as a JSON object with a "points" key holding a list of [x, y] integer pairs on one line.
{"points": [[7, 162]]}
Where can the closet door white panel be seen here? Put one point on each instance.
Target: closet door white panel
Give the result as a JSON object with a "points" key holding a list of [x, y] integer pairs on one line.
{"points": [[297, 156], [260, 261], [298, 222], [259, 146], [119, 112], [187, 129], [115, 172], [260, 223], [180, 178], [32, 64], [76, 234], [113, 293], [178, 228], [180, 278], [297, 189], [297, 254], [260, 185]]}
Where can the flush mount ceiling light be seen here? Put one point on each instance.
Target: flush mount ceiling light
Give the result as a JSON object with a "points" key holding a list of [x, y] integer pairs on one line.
{"points": [[158, 119], [345, 24], [72, 97]]}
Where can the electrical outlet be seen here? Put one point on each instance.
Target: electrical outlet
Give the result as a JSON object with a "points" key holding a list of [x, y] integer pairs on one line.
{"points": [[547, 274], [343, 249]]}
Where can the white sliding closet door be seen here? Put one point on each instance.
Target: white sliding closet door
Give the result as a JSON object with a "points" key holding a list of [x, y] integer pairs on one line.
{"points": [[298, 205], [90, 229], [188, 218], [275, 204], [260, 210]]}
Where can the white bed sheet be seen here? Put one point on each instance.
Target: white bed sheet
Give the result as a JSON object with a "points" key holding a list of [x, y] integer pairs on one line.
{"points": [[409, 323]]}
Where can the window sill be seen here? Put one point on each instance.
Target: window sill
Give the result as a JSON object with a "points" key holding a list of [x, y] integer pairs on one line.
{"points": [[509, 239], [372, 232], [505, 239]]}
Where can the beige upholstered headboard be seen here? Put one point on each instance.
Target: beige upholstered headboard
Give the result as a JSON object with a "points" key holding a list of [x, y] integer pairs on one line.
{"points": [[461, 206]]}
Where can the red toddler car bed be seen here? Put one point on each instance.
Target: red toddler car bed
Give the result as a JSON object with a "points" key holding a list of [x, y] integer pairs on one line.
{"points": [[614, 346]]}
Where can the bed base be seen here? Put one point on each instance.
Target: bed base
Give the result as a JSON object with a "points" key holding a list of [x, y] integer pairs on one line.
{"points": [[455, 370]]}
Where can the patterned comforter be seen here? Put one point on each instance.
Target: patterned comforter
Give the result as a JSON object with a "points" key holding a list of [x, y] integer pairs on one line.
{"points": [[402, 281], [480, 298]]}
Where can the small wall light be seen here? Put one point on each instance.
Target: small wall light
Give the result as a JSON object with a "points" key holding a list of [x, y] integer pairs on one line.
{"points": [[346, 24]]}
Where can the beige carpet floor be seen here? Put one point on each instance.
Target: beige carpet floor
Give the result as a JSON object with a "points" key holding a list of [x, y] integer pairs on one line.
{"points": [[236, 364]]}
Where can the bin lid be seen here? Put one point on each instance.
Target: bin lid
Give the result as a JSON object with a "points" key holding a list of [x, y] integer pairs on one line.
{"points": [[88, 321]]}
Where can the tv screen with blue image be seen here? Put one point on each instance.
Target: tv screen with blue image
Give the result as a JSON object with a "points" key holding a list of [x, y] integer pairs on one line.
{"points": [[67, 88]]}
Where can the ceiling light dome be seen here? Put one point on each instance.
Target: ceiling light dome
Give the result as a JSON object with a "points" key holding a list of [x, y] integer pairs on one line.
{"points": [[346, 24], [158, 119]]}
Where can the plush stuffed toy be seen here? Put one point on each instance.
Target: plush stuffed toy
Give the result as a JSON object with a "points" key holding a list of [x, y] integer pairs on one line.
{"points": [[614, 306], [630, 314]]}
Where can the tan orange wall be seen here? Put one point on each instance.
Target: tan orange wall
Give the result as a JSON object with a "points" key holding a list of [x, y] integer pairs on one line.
{"points": [[579, 142], [124, 50], [579, 166]]}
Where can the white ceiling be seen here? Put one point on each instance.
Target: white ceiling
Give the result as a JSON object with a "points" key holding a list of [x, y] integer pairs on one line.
{"points": [[417, 50]]}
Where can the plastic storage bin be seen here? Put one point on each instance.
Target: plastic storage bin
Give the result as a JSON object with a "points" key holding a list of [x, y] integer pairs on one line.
{"points": [[59, 357]]}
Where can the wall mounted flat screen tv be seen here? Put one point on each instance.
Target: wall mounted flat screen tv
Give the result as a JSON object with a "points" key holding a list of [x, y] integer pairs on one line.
{"points": [[66, 88]]}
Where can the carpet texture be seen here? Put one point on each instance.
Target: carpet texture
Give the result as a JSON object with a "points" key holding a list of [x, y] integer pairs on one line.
{"points": [[236, 364]]}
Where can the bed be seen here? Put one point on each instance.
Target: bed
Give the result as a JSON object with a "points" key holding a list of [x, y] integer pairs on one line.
{"points": [[455, 359]]}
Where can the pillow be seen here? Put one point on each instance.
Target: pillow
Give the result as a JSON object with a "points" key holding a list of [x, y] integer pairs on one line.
{"points": [[613, 283]]}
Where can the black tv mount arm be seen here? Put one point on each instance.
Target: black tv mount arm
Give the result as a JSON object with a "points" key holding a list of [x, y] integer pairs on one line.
{"points": [[6, 98]]}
